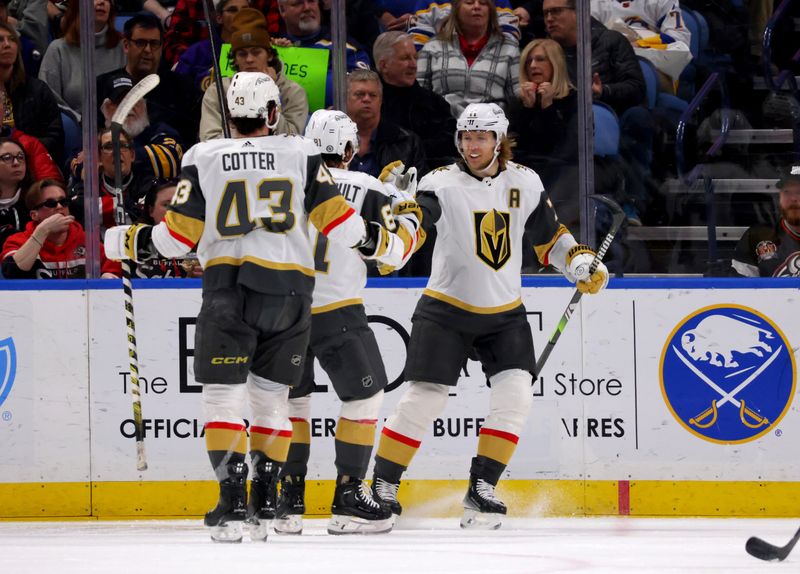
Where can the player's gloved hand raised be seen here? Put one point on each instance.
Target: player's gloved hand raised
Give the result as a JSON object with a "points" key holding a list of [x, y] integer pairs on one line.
{"points": [[128, 242], [579, 261], [378, 242], [403, 179]]}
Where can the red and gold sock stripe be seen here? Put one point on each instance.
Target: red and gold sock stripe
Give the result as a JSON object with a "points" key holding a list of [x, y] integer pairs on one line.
{"points": [[272, 442], [397, 448], [361, 432], [497, 445], [227, 437]]}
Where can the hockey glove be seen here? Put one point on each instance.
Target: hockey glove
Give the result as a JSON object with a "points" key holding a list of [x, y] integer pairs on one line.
{"points": [[129, 242], [579, 260], [380, 243], [396, 174]]}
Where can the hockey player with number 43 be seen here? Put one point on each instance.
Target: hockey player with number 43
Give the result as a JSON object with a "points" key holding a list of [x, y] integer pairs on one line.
{"points": [[245, 204], [472, 306]]}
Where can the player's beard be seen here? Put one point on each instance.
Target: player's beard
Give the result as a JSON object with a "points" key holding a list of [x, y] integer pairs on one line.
{"points": [[135, 126]]}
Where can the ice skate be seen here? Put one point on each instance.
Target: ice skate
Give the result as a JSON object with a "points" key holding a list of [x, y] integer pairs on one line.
{"points": [[385, 493], [355, 511], [291, 506], [263, 500], [226, 519], [482, 509]]}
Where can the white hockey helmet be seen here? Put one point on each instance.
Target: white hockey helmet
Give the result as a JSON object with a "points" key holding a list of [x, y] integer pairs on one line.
{"points": [[250, 95], [482, 118], [331, 131]]}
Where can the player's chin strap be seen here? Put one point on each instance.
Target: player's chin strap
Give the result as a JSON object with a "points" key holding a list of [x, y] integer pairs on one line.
{"points": [[484, 171]]}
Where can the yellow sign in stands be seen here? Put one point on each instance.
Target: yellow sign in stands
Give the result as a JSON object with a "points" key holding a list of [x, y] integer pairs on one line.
{"points": [[306, 66]]}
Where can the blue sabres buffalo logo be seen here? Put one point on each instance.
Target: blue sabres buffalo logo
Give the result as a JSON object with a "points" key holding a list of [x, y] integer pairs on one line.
{"points": [[8, 367], [727, 374]]}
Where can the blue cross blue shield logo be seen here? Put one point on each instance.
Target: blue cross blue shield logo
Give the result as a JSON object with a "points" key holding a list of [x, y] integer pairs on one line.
{"points": [[727, 374], [8, 367]]}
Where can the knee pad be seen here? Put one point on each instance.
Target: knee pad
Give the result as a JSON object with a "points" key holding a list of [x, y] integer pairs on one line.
{"points": [[422, 403], [300, 407], [224, 403], [269, 403], [511, 401], [362, 409]]}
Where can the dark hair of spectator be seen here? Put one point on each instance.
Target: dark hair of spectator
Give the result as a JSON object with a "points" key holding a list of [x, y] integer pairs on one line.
{"points": [[152, 195], [18, 70], [145, 21], [27, 179], [71, 25], [451, 23], [33, 196]]}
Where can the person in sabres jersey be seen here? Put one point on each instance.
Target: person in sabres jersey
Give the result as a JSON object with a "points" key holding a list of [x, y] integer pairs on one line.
{"points": [[244, 204], [341, 338], [472, 306]]}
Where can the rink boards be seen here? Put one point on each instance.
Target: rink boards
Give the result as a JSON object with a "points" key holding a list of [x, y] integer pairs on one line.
{"points": [[662, 397]]}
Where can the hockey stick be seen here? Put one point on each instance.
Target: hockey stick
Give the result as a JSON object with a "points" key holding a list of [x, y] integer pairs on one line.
{"points": [[766, 551], [123, 109], [208, 9], [618, 216]]}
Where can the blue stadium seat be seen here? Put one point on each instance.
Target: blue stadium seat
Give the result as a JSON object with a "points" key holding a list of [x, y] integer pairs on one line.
{"points": [[606, 130], [650, 81], [73, 138], [120, 19]]}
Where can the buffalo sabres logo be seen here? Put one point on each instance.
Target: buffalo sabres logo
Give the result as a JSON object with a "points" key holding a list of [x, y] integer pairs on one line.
{"points": [[790, 267], [727, 374], [493, 242], [8, 367]]}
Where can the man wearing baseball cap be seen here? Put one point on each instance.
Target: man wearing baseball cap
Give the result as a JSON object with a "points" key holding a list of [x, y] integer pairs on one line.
{"points": [[765, 251], [252, 51]]}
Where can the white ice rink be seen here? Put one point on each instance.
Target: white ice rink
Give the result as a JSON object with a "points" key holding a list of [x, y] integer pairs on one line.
{"points": [[529, 546]]}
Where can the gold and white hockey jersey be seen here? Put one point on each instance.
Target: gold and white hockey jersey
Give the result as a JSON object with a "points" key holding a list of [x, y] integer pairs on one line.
{"points": [[341, 273], [477, 259], [246, 203]]}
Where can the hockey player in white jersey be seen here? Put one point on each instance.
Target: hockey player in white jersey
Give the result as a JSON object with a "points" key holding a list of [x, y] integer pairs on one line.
{"points": [[343, 342], [472, 305], [245, 204]]}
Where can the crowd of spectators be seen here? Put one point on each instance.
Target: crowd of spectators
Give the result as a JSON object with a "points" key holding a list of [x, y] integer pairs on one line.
{"points": [[413, 65]]}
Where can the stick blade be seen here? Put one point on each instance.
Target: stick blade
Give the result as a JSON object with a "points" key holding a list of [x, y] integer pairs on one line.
{"points": [[763, 550]]}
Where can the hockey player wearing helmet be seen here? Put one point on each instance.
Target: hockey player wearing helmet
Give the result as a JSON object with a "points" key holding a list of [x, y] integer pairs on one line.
{"points": [[343, 342], [244, 204], [472, 305]]}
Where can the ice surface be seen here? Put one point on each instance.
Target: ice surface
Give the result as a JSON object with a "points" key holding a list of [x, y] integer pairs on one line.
{"points": [[529, 546]]}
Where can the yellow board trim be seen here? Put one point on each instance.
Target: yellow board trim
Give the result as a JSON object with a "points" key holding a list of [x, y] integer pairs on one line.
{"points": [[420, 498], [471, 308]]}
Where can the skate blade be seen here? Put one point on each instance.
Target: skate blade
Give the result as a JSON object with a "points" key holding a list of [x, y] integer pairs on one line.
{"points": [[291, 524], [341, 524], [258, 528], [475, 520], [227, 533]]}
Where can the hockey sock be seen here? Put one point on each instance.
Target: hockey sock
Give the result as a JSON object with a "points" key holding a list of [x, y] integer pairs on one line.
{"points": [[273, 443], [496, 445], [395, 452], [299, 449], [354, 441], [226, 443]]}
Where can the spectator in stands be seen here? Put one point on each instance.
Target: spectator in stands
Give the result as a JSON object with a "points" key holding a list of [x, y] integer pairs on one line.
{"points": [[40, 163], [430, 16], [29, 19], [156, 146], [396, 15], [156, 201], [174, 101], [197, 61], [408, 104], [62, 66], [14, 178], [470, 61], [530, 20], [187, 25], [304, 28], [134, 185], [545, 121], [380, 142], [53, 244], [252, 51], [774, 251], [29, 104], [656, 32]]}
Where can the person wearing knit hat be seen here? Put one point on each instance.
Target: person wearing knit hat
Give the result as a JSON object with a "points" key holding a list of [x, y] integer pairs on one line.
{"points": [[252, 51]]}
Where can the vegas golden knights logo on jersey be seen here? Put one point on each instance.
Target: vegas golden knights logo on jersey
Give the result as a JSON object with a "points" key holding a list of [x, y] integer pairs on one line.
{"points": [[493, 245]]}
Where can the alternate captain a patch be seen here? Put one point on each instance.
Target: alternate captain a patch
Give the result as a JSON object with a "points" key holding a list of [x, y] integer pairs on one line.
{"points": [[492, 237]]}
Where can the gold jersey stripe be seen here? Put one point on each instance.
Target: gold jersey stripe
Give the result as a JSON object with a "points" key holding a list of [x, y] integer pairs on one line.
{"points": [[328, 212], [336, 305], [472, 308], [239, 261], [185, 226], [355, 432], [496, 448], [226, 440], [543, 251]]}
